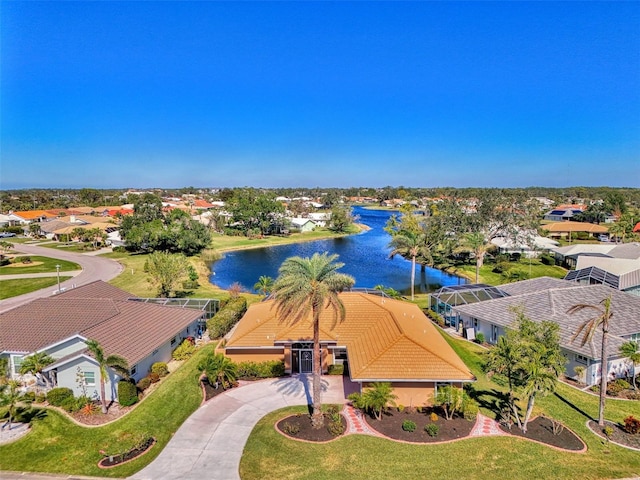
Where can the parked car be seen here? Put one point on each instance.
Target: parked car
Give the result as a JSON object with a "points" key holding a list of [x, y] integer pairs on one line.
{"points": [[7, 234], [603, 238]]}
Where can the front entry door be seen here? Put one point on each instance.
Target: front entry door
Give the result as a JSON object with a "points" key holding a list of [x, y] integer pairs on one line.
{"points": [[306, 361]]}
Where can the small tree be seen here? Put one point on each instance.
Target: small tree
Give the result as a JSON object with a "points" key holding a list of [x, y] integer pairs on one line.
{"points": [[219, 369], [629, 350], [35, 364], [166, 270], [579, 371], [264, 285], [10, 397], [115, 362], [450, 399], [377, 397]]}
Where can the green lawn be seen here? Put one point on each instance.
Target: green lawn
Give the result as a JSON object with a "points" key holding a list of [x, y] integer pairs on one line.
{"points": [[38, 265], [13, 288], [57, 445], [536, 269], [357, 456], [75, 247]]}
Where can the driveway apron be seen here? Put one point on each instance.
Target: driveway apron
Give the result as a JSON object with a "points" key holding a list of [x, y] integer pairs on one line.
{"points": [[210, 443]]}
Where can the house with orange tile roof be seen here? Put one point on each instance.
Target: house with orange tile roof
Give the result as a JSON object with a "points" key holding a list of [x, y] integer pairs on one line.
{"points": [[29, 216], [141, 332], [567, 228], [380, 340]]}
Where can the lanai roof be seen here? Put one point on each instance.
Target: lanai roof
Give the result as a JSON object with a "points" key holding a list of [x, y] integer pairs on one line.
{"points": [[386, 339]]}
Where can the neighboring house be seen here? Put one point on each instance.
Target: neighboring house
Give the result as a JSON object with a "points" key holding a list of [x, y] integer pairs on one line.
{"points": [[141, 332], [527, 249], [321, 218], [302, 224], [568, 256], [549, 299], [564, 213], [380, 339], [30, 216], [570, 229]]}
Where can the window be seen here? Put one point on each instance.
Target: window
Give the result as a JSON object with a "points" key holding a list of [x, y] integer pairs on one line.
{"points": [[17, 363], [154, 352], [173, 341], [494, 333], [90, 379], [635, 337], [134, 369], [581, 359]]}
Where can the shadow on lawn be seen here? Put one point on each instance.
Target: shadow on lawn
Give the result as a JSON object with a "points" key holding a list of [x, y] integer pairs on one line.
{"points": [[493, 400], [576, 408]]}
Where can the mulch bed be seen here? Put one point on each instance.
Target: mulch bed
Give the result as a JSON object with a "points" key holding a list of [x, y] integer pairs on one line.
{"points": [[540, 429], [306, 431], [391, 426], [618, 435], [114, 412], [209, 390], [115, 460]]}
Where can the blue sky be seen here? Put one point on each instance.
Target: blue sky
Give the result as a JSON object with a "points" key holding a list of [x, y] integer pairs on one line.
{"points": [[172, 94]]}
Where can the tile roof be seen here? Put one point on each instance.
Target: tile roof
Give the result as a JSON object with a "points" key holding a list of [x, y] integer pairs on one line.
{"points": [[96, 311], [575, 227], [386, 339], [534, 285], [553, 303], [34, 214]]}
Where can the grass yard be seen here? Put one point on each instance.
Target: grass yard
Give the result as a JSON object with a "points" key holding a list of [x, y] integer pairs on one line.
{"points": [[134, 280], [57, 445], [75, 247], [38, 265], [13, 288], [224, 243], [358, 456], [487, 276]]}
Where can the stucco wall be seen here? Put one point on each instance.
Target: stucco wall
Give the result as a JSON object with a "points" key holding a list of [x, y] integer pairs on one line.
{"points": [[66, 348], [67, 377], [415, 394], [255, 355]]}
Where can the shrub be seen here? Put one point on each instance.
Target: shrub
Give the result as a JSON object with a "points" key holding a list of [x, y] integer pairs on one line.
{"points": [[356, 400], [436, 317], [632, 425], [479, 337], [432, 429], [184, 351], [223, 321], [608, 431], [29, 397], [500, 267], [470, 408], [614, 388], [434, 417], [58, 395], [69, 404], [253, 370], [143, 384], [290, 428], [41, 398], [547, 259], [153, 377], [409, 426], [336, 428], [400, 408], [160, 368], [127, 393], [579, 371], [337, 369]]}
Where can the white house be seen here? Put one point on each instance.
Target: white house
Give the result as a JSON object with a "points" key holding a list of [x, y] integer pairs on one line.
{"points": [[550, 299], [140, 332]]}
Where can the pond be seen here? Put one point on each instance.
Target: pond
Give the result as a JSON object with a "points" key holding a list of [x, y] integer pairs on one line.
{"points": [[366, 258]]}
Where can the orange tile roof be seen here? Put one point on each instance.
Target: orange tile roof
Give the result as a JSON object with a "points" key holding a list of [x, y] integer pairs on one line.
{"points": [[33, 214], [386, 339], [575, 227]]}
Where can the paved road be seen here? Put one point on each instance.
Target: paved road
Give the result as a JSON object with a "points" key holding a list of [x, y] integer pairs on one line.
{"points": [[209, 444], [93, 268]]}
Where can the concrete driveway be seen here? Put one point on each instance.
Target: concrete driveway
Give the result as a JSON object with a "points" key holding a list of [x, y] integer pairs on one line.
{"points": [[210, 443], [93, 268]]}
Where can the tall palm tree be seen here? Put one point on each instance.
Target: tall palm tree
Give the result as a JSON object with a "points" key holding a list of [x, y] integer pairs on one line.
{"points": [[629, 350], [407, 244], [36, 363], [587, 329], [305, 287], [264, 285], [115, 362]]}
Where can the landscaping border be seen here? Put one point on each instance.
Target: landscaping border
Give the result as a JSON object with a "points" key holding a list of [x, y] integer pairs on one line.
{"points": [[100, 465], [604, 437]]}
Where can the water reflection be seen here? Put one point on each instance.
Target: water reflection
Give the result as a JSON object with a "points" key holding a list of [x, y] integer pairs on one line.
{"points": [[366, 258]]}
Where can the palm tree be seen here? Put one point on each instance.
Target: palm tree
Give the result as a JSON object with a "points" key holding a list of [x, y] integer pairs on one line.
{"points": [[115, 362], [219, 369], [407, 244], [10, 396], [304, 287], [477, 243], [588, 328], [264, 285], [36, 363], [630, 351]]}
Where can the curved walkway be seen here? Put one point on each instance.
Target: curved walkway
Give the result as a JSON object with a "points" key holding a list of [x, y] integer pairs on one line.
{"points": [[93, 268], [209, 444]]}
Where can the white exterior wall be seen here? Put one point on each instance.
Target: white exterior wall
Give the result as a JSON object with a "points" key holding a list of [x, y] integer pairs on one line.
{"points": [[67, 377]]}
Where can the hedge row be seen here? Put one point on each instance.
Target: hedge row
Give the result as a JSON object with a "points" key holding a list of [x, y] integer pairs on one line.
{"points": [[253, 370], [223, 321]]}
